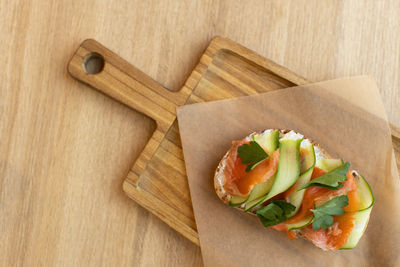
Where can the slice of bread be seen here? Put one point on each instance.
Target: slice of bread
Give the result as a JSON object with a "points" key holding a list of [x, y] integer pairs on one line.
{"points": [[226, 166]]}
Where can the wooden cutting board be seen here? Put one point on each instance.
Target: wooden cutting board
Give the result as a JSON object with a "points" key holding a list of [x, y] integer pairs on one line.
{"points": [[157, 180]]}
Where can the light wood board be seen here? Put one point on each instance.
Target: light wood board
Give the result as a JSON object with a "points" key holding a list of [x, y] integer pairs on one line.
{"points": [[58, 138], [226, 70], [157, 180]]}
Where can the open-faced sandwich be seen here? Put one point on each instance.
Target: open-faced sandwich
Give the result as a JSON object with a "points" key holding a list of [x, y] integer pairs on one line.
{"points": [[293, 185]]}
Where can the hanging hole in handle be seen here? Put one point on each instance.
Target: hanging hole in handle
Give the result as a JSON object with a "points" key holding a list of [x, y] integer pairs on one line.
{"points": [[93, 63]]}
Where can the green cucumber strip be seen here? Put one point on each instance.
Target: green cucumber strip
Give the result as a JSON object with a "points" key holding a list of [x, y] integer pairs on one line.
{"points": [[288, 169], [309, 159], [308, 164], [296, 198], [301, 224], [269, 141], [237, 200], [365, 194], [361, 221], [367, 201], [328, 164], [253, 203], [259, 191]]}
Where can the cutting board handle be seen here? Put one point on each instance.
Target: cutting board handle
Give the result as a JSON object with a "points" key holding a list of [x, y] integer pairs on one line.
{"points": [[104, 70], [94, 64]]}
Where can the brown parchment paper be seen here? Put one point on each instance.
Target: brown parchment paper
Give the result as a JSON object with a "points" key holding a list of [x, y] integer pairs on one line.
{"points": [[346, 117]]}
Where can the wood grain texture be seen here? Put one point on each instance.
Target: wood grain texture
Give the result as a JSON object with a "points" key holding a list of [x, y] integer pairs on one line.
{"points": [[58, 139]]}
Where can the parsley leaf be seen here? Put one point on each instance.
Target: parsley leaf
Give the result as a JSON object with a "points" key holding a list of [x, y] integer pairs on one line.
{"points": [[330, 179], [322, 215], [252, 154], [275, 212]]}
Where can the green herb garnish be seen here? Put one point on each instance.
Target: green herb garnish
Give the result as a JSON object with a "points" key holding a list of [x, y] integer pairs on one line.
{"points": [[332, 179], [275, 212], [252, 154], [322, 215]]}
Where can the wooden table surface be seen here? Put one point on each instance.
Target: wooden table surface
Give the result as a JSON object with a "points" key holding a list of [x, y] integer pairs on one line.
{"points": [[58, 138]]}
